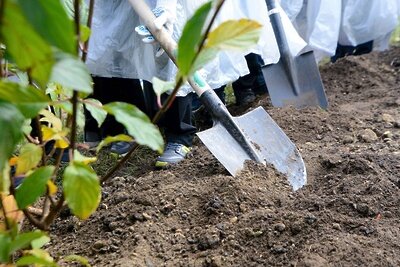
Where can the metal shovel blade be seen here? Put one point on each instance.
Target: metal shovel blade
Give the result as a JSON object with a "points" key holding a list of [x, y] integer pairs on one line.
{"points": [[304, 89], [269, 141]]}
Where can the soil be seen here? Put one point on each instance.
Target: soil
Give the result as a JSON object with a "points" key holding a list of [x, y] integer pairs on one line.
{"points": [[196, 214]]}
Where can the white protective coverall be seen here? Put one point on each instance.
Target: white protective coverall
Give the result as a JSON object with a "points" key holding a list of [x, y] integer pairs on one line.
{"points": [[115, 50], [367, 20], [317, 22]]}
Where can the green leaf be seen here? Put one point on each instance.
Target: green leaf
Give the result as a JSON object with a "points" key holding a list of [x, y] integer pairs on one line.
{"points": [[189, 42], [24, 240], [37, 257], [40, 242], [28, 158], [71, 73], [11, 121], [28, 99], [33, 186], [160, 86], [112, 139], [81, 189], [206, 55], [137, 124], [78, 157], [94, 106], [51, 21], [235, 35], [5, 242], [29, 51], [85, 33], [76, 258]]}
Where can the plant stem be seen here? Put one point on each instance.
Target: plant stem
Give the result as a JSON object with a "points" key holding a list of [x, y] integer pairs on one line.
{"points": [[89, 25]]}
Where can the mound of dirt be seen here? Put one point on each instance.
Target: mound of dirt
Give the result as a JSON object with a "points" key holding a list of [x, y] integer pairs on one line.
{"points": [[196, 214]]}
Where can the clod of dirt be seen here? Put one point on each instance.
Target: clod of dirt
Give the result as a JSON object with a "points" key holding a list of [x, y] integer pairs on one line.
{"points": [[368, 136]]}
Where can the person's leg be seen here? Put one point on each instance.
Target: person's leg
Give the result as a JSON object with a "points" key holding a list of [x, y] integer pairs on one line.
{"points": [[121, 90], [179, 131], [92, 134], [255, 63]]}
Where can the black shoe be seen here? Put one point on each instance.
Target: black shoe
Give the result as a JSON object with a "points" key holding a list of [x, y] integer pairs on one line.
{"points": [[244, 96]]}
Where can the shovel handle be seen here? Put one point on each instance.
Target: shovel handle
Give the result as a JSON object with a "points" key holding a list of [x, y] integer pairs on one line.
{"points": [[165, 40], [277, 26]]}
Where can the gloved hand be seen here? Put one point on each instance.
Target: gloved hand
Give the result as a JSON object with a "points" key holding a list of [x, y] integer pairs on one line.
{"points": [[165, 13]]}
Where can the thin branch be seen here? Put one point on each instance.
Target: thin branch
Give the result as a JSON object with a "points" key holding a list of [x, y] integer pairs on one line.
{"points": [[89, 25]]}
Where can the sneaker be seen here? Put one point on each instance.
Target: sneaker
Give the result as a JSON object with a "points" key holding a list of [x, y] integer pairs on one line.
{"points": [[121, 148], [173, 153], [92, 139]]}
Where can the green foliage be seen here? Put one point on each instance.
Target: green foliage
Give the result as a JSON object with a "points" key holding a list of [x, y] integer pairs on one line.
{"points": [[137, 124], [70, 72], [24, 45], [33, 186], [27, 99], [81, 189], [189, 42], [95, 108], [38, 38], [60, 32], [11, 121], [10, 243]]}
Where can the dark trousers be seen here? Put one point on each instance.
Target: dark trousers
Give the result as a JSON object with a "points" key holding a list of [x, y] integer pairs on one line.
{"points": [[255, 79], [348, 50], [108, 90], [176, 122]]}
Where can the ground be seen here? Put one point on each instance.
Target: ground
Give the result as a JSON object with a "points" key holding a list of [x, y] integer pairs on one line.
{"points": [[196, 214]]}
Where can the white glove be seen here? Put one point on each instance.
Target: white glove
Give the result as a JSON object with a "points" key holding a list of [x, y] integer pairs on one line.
{"points": [[165, 13]]}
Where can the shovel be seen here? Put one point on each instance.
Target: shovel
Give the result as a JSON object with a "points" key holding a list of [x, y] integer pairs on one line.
{"points": [[294, 80], [233, 140]]}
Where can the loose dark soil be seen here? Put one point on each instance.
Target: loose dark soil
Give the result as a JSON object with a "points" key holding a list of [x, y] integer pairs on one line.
{"points": [[196, 214]]}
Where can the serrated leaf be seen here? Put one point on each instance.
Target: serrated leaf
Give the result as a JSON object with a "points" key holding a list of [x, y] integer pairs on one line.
{"points": [[27, 99], [78, 157], [11, 121], [71, 73], [24, 240], [206, 55], [37, 257], [190, 39], [33, 186], [111, 139], [94, 106], [81, 189], [59, 137], [49, 117], [234, 35], [28, 49], [160, 86], [50, 20], [29, 158], [137, 124]]}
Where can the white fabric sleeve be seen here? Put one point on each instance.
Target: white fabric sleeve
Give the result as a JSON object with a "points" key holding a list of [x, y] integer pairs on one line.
{"points": [[167, 4]]}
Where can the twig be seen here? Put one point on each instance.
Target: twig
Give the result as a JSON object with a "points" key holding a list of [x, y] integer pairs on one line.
{"points": [[89, 25]]}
